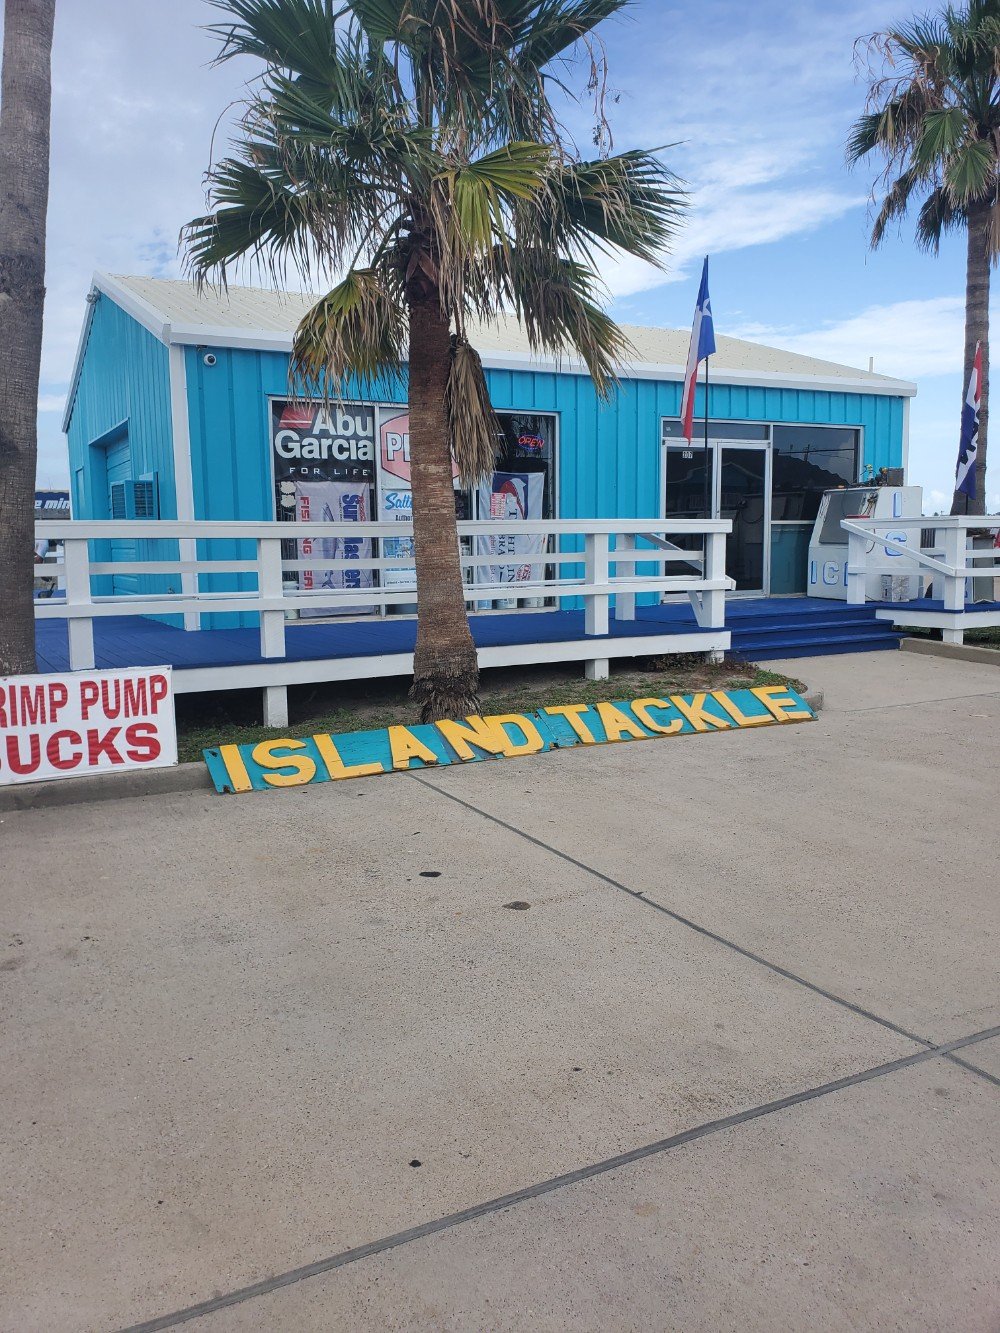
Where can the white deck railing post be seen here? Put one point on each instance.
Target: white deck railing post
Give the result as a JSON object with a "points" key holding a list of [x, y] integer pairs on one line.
{"points": [[188, 552], [953, 590], [856, 574], [713, 600], [595, 560], [272, 626], [625, 601], [80, 630]]}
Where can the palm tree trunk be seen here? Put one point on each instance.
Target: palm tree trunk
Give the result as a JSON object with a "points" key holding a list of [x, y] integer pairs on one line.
{"points": [[977, 330], [25, 103], [445, 668]]}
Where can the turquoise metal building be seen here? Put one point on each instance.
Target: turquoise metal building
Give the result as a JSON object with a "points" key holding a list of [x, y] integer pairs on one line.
{"points": [[179, 408]]}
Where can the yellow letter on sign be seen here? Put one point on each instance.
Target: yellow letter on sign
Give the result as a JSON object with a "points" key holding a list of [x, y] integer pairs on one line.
{"points": [[476, 731], [532, 742], [617, 724], [572, 714], [641, 709], [776, 700], [737, 713], [404, 746], [697, 714], [336, 767], [265, 756]]}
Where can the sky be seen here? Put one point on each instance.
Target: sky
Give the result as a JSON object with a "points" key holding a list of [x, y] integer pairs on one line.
{"points": [[751, 104]]}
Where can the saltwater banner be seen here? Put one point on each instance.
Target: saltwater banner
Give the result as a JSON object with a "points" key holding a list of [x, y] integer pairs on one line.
{"points": [[358, 754]]}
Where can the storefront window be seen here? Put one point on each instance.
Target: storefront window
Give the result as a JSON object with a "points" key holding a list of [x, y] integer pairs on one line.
{"points": [[527, 445], [344, 462], [809, 460]]}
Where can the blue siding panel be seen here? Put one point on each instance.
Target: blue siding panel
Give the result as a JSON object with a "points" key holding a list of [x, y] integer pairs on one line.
{"points": [[124, 383], [609, 462]]}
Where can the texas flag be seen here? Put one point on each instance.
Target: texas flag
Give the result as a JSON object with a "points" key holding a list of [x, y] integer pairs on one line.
{"points": [[702, 346], [968, 445]]}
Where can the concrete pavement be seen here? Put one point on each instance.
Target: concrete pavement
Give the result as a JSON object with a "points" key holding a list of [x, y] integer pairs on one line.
{"points": [[693, 1085]]}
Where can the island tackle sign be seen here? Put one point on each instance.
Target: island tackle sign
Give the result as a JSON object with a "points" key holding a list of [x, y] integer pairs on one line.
{"points": [[356, 754]]}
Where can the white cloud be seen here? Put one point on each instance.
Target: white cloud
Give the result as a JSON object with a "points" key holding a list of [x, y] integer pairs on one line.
{"points": [[759, 142], [51, 402], [907, 339]]}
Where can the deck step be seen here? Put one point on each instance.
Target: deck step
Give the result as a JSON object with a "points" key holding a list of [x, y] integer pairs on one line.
{"points": [[820, 645], [820, 627]]}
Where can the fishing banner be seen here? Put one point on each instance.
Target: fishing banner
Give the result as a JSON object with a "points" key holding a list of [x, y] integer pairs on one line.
{"points": [[510, 496], [334, 502]]}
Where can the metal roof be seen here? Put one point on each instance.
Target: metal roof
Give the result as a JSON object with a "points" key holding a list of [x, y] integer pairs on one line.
{"points": [[256, 317]]}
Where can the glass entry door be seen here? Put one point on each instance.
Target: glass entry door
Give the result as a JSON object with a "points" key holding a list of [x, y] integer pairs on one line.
{"points": [[735, 483]]}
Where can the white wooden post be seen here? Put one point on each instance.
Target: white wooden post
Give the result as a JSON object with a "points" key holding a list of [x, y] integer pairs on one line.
{"points": [[272, 626], [710, 605], [625, 601], [187, 549], [713, 600], [953, 585], [76, 557], [856, 572], [595, 559], [269, 582], [275, 705]]}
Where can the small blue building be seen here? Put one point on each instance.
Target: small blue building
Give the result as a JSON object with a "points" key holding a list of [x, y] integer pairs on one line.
{"points": [[179, 407]]}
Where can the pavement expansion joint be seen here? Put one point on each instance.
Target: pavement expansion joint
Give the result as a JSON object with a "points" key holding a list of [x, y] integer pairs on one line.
{"points": [[706, 932], [542, 1187]]}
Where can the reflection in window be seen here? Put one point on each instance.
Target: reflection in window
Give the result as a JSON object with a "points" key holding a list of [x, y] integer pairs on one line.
{"points": [[809, 460]]}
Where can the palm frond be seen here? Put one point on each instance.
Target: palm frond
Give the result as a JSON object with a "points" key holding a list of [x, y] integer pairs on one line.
{"points": [[630, 202], [293, 35], [559, 25], [894, 205], [970, 172], [475, 198], [557, 301], [942, 131], [938, 214], [257, 216], [357, 331], [473, 423]]}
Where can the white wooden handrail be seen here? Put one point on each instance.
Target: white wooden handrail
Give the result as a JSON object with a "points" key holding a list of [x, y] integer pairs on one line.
{"points": [[606, 566], [953, 564]]}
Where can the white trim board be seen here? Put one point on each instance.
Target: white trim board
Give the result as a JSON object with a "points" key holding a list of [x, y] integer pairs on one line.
{"points": [[194, 680]]}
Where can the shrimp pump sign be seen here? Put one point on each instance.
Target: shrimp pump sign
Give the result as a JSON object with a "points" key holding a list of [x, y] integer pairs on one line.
{"points": [[64, 726]]}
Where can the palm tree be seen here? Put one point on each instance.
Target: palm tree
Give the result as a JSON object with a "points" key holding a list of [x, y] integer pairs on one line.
{"points": [[25, 101], [413, 147], [934, 119]]}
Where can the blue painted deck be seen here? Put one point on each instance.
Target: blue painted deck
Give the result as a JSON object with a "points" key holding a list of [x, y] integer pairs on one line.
{"points": [[936, 604], [761, 628]]}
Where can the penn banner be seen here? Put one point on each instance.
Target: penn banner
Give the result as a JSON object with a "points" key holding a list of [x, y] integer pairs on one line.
{"points": [[334, 502], [509, 496], [65, 726], [395, 495], [295, 762]]}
